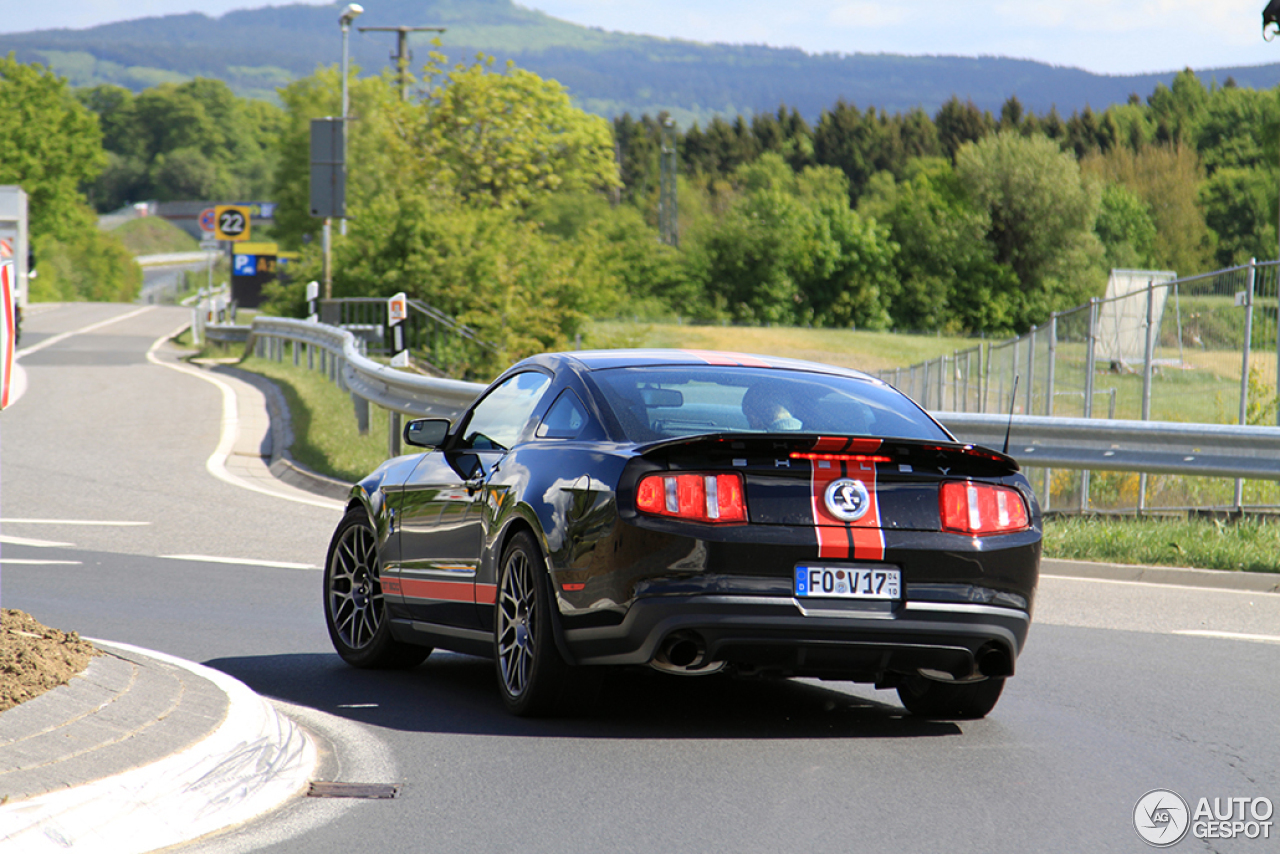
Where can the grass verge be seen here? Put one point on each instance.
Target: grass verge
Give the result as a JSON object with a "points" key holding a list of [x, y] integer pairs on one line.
{"points": [[1250, 545], [325, 435]]}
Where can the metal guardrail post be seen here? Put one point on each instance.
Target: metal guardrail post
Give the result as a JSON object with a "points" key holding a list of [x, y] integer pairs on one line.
{"points": [[293, 346], [393, 434], [361, 407]]}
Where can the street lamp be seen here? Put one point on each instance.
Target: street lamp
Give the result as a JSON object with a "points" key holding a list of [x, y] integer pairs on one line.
{"points": [[349, 14]]}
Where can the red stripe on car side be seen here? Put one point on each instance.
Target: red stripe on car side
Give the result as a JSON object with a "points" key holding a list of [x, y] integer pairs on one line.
{"points": [[442, 591], [486, 594]]}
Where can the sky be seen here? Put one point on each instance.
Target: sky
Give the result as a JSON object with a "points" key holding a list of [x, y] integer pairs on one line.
{"points": [[1104, 36]]}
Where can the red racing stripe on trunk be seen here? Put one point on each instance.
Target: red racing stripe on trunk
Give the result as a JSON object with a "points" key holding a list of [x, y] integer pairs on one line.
{"points": [[833, 536], [862, 539], [867, 536]]}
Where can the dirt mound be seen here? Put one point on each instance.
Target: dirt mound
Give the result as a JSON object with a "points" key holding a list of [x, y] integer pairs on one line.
{"points": [[35, 658]]}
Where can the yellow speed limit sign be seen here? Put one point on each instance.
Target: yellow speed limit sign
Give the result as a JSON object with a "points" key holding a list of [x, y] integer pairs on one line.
{"points": [[231, 222]]}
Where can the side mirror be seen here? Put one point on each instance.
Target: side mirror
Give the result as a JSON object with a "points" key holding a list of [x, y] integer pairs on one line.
{"points": [[426, 432]]}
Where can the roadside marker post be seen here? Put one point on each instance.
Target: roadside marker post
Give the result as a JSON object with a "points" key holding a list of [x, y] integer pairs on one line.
{"points": [[397, 313], [313, 302]]}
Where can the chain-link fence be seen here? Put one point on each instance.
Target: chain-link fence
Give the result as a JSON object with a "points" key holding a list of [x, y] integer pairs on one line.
{"points": [[1202, 349]]}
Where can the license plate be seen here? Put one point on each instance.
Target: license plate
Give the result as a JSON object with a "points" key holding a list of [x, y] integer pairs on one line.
{"points": [[845, 582]]}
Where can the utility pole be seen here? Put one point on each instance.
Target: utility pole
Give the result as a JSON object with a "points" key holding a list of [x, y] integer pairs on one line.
{"points": [[403, 57], [668, 219]]}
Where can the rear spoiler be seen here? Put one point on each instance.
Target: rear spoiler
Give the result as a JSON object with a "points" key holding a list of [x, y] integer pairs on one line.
{"points": [[963, 459]]}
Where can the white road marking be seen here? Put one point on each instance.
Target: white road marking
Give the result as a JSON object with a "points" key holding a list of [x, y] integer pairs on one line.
{"points": [[1157, 584], [39, 544], [1229, 636], [103, 522], [23, 562], [237, 561], [216, 464], [49, 342]]}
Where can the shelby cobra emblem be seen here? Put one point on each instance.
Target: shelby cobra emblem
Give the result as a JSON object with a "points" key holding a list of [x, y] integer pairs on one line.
{"points": [[847, 499]]}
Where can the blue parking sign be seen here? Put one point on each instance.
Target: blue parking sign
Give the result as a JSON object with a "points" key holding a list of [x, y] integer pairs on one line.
{"points": [[245, 265]]}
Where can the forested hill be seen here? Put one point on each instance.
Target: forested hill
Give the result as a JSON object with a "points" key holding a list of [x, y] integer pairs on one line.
{"points": [[609, 73]]}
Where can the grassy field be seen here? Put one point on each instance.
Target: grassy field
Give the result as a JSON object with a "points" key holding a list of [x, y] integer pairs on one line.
{"points": [[327, 440], [151, 235], [865, 351]]}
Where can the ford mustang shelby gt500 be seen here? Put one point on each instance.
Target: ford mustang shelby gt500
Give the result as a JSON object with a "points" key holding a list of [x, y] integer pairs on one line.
{"points": [[695, 512]]}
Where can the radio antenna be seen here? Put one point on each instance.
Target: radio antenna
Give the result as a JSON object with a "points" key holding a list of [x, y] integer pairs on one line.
{"points": [[1013, 401]]}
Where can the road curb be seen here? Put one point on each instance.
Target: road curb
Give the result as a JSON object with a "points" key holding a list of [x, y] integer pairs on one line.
{"points": [[248, 764], [1258, 582]]}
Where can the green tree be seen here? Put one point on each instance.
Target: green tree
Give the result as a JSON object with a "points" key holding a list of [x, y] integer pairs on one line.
{"points": [[50, 145], [1240, 205], [950, 280], [1167, 179], [790, 250], [501, 139], [451, 199], [1042, 213], [1125, 227]]}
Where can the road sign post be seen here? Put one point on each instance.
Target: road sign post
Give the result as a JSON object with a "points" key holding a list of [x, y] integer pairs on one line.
{"points": [[397, 313]]}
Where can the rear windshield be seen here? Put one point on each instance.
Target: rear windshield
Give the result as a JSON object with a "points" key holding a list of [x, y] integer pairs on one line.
{"points": [[666, 402]]}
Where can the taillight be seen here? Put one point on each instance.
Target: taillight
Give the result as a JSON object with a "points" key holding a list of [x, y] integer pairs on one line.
{"points": [[982, 508], [713, 498]]}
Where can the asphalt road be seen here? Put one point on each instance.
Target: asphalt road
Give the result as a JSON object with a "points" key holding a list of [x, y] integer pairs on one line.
{"points": [[161, 283], [1124, 688]]}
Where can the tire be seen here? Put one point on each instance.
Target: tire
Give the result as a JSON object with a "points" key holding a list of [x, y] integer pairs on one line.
{"points": [[533, 678], [354, 609], [929, 699]]}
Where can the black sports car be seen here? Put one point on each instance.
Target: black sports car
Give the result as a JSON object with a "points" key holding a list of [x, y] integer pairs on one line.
{"points": [[694, 512]]}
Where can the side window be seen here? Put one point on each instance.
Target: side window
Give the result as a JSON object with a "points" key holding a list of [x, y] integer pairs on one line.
{"points": [[497, 421], [565, 419]]}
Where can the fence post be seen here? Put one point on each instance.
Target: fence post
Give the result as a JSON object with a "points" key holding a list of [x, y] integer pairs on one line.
{"points": [[1244, 371], [293, 347], [1090, 363], [1148, 356], [1031, 371]]}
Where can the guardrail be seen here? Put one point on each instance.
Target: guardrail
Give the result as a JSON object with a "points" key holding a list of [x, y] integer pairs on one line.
{"points": [[340, 354], [1155, 447], [1084, 444]]}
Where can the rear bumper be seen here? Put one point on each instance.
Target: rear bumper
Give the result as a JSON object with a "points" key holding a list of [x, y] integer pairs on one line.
{"points": [[857, 641]]}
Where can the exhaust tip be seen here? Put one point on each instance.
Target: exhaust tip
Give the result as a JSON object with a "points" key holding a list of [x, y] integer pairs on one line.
{"points": [[685, 653], [994, 661]]}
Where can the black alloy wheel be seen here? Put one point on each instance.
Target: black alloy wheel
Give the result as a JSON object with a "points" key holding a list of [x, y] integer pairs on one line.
{"points": [[533, 677], [354, 609], [928, 698]]}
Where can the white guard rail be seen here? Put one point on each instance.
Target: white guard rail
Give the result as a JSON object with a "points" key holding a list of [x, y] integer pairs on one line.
{"points": [[1156, 447], [398, 391]]}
